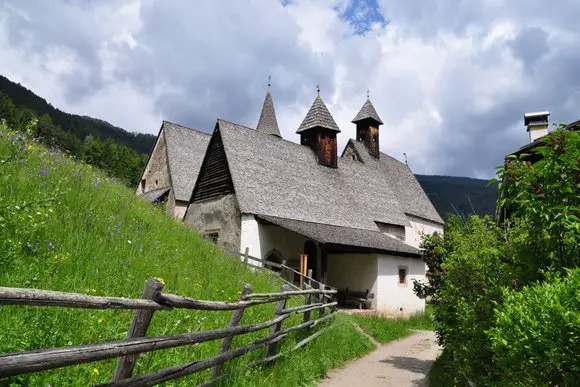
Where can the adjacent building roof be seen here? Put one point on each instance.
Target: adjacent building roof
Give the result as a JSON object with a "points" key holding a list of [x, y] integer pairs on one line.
{"points": [[318, 117], [345, 236], [399, 177], [275, 177], [156, 194], [185, 150], [367, 111], [268, 123]]}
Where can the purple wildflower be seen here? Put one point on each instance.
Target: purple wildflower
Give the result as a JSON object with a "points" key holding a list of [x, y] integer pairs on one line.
{"points": [[44, 172]]}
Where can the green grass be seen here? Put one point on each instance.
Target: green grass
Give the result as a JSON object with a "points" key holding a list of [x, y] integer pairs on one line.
{"points": [[384, 330], [65, 226]]}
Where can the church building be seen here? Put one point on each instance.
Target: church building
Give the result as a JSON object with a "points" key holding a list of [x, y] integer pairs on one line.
{"points": [[359, 216]]}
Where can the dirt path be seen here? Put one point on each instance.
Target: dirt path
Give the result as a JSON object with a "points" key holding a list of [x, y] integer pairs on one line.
{"points": [[399, 363]]}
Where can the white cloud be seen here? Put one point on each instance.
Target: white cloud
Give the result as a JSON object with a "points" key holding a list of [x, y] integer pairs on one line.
{"points": [[450, 80]]}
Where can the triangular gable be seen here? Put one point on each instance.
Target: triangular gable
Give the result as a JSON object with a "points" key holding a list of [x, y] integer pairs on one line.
{"points": [[214, 178]]}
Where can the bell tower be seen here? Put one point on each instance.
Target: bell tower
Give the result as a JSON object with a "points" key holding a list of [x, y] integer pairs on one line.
{"points": [[367, 128], [318, 131]]}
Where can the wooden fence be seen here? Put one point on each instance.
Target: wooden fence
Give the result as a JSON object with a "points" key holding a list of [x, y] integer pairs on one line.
{"points": [[153, 299], [285, 272]]}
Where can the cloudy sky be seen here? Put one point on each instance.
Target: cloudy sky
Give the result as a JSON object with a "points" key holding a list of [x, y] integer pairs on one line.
{"points": [[451, 79]]}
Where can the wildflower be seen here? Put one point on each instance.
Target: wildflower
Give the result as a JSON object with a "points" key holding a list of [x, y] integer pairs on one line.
{"points": [[96, 371], [44, 172], [160, 280], [93, 290], [129, 241]]}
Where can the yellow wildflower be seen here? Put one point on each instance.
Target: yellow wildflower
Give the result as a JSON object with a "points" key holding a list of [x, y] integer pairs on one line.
{"points": [[95, 371], [93, 290], [160, 280]]}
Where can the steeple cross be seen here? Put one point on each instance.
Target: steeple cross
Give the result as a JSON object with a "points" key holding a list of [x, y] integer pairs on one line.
{"points": [[269, 81], [368, 93], [318, 89]]}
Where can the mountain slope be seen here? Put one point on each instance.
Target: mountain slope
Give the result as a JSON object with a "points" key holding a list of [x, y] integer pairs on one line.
{"points": [[81, 126], [459, 195]]}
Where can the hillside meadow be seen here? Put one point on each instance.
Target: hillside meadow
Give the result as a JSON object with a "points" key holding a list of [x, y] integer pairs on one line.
{"points": [[65, 226]]}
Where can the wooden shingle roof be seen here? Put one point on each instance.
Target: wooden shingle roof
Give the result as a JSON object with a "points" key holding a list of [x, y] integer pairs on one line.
{"points": [[318, 117]]}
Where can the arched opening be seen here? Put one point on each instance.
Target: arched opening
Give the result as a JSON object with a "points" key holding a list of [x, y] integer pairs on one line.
{"points": [[311, 250], [274, 256]]}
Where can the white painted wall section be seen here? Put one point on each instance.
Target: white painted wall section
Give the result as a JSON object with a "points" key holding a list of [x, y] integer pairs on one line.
{"points": [[357, 272], [419, 227], [250, 237], [393, 297]]}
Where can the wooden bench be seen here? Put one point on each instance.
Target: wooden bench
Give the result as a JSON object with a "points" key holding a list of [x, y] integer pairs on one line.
{"points": [[360, 299]]}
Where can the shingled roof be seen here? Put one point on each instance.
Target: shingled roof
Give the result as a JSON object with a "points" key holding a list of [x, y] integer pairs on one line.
{"points": [[275, 177], [402, 181], [268, 123], [185, 150], [318, 117], [367, 111], [341, 237]]}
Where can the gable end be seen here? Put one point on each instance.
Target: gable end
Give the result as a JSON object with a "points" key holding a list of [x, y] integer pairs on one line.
{"points": [[214, 178]]}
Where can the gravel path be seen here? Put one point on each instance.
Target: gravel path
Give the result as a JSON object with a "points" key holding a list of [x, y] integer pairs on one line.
{"points": [[399, 363]]}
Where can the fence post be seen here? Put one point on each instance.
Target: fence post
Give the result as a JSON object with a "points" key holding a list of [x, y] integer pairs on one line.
{"points": [[307, 301], [321, 298], [234, 322], [273, 347], [138, 328], [246, 256], [284, 275]]}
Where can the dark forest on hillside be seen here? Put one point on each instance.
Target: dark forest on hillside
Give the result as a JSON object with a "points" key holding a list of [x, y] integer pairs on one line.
{"points": [[124, 155]]}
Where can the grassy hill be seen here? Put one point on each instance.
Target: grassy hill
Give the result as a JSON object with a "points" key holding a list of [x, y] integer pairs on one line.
{"points": [[65, 226], [459, 195]]}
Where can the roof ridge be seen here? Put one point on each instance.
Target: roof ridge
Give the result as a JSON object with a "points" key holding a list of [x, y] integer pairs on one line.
{"points": [[186, 127], [261, 133]]}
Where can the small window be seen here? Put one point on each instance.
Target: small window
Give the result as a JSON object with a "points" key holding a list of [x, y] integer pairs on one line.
{"points": [[402, 275], [212, 236], [156, 183], [143, 185]]}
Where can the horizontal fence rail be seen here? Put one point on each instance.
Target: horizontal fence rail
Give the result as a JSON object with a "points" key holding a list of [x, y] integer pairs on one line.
{"points": [[127, 350]]}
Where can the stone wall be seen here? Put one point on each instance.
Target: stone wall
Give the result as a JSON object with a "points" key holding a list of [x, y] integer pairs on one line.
{"points": [[156, 173], [220, 215]]}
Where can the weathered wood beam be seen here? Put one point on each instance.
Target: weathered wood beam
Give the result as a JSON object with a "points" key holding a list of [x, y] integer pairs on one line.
{"points": [[45, 359], [190, 303], [290, 293], [37, 297]]}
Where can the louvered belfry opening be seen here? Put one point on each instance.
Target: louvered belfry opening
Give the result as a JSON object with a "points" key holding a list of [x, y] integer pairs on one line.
{"points": [[318, 131], [367, 128]]}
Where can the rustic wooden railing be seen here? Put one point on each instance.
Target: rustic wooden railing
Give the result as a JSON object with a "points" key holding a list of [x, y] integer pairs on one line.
{"points": [[284, 271], [128, 350]]}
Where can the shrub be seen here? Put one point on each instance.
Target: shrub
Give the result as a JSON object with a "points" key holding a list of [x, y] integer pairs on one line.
{"points": [[471, 287], [536, 338]]}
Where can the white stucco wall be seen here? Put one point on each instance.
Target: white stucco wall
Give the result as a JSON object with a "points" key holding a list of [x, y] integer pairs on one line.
{"points": [[357, 272], [418, 228], [262, 239], [393, 297]]}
